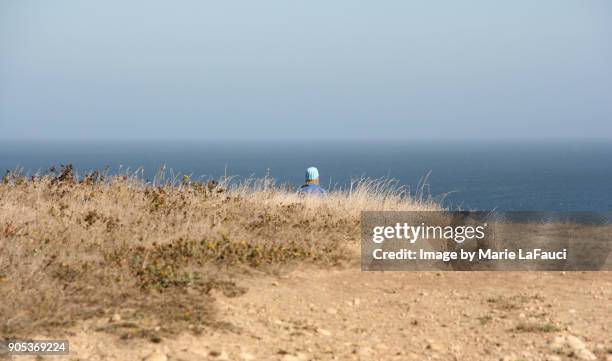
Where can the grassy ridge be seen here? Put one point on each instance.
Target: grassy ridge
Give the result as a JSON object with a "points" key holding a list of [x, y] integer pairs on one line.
{"points": [[75, 249]]}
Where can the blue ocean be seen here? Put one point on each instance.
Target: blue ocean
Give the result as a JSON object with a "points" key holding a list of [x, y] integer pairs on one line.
{"points": [[505, 175]]}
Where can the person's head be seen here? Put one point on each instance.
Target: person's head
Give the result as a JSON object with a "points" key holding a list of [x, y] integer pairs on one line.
{"points": [[312, 175]]}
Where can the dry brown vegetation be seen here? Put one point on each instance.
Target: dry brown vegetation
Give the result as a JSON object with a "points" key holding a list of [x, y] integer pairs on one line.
{"points": [[150, 254]]}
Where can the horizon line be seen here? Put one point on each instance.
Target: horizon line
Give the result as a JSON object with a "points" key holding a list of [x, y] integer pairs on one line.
{"points": [[306, 139]]}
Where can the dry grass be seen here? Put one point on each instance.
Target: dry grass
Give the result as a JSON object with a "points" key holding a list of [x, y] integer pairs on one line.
{"points": [[99, 246], [536, 327]]}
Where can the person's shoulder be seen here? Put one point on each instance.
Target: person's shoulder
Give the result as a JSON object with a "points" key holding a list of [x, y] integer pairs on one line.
{"points": [[311, 189], [304, 188]]}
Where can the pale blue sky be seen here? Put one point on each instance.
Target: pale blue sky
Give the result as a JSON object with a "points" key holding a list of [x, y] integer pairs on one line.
{"points": [[305, 69]]}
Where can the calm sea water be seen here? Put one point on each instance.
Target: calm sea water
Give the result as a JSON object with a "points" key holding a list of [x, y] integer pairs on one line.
{"points": [[542, 176]]}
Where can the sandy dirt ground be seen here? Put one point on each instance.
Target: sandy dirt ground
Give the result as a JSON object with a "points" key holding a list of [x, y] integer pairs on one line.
{"points": [[346, 314]]}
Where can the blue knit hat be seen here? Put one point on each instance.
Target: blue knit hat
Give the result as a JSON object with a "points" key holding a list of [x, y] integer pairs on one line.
{"points": [[312, 173]]}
